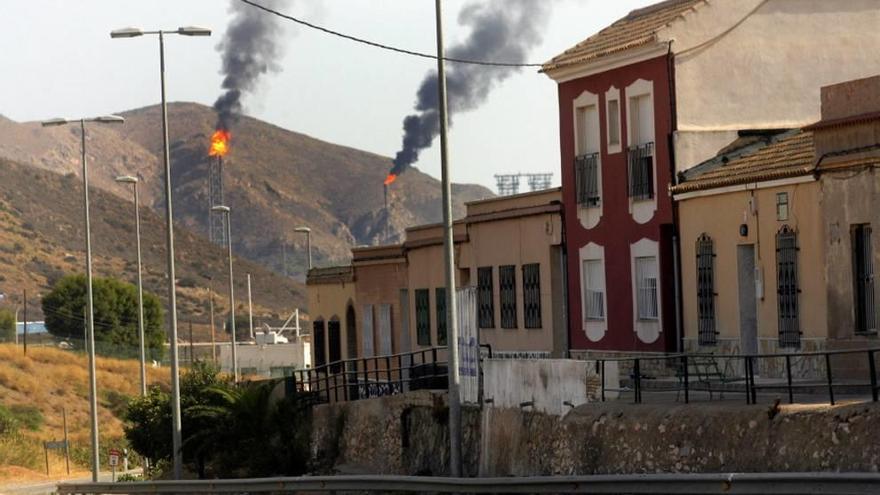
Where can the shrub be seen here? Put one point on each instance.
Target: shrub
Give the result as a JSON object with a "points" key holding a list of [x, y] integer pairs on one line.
{"points": [[7, 326]]}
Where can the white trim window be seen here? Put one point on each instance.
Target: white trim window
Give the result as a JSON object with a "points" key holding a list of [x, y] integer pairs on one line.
{"points": [[594, 289], [647, 290], [613, 128]]}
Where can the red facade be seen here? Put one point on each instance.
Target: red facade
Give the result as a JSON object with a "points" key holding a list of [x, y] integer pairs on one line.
{"points": [[617, 230]]}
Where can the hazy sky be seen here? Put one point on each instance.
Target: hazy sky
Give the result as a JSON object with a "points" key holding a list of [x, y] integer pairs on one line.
{"points": [[58, 60]]}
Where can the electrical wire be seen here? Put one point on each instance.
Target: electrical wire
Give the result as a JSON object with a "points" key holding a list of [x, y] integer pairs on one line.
{"points": [[381, 45]]}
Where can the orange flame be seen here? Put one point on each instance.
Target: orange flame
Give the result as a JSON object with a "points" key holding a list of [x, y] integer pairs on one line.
{"points": [[219, 143], [391, 178]]}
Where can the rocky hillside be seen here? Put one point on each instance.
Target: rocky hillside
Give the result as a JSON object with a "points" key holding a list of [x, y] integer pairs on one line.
{"points": [[41, 239], [275, 180]]}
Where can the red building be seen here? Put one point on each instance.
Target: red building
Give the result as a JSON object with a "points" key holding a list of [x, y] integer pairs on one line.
{"points": [[616, 122]]}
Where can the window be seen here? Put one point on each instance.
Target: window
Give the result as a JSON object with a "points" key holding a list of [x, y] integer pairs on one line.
{"points": [[532, 295], [863, 278], [318, 337], [641, 120], [646, 285], [787, 287], [706, 291], [440, 305], [614, 122], [586, 171], [588, 130], [594, 289], [507, 283], [486, 297], [782, 206], [423, 317], [641, 171], [335, 344]]}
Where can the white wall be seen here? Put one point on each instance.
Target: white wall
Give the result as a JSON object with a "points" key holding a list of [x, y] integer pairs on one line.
{"points": [[547, 382], [739, 69], [266, 357]]}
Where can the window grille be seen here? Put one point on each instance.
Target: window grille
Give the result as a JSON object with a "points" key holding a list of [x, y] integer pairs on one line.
{"points": [[423, 316], [486, 297], [440, 305], [507, 283], [646, 288], [787, 287], [863, 277], [586, 170], [318, 336], [706, 291], [594, 289], [641, 171], [532, 295]]}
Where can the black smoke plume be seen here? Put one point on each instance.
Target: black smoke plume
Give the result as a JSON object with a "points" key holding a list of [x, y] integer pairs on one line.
{"points": [[250, 49], [501, 31]]}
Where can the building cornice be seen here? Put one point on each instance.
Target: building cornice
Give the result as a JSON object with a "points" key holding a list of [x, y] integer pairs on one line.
{"points": [[577, 70]]}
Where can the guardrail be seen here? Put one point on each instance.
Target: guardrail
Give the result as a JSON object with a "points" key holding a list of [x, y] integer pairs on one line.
{"points": [[740, 372], [672, 484]]}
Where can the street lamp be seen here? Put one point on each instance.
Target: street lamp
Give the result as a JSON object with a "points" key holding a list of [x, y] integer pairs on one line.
{"points": [[127, 179], [226, 211], [176, 436], [308, 232], [90, 338]]}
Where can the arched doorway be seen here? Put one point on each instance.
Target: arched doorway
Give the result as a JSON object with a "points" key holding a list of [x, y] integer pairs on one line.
{"points": [[334, 340]]}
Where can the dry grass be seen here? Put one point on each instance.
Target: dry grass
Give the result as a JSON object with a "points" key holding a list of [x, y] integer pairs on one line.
{"points": [[53, 379]]}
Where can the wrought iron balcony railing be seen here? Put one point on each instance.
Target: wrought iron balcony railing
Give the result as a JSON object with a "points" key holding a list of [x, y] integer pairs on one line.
{"points": [[641, 171]]}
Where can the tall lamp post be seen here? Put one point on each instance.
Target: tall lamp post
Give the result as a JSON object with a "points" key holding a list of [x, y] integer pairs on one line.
{"points": [[90, 338], [449, 252], [176, 436], [128, 179], [308, 232], [226, 211]]}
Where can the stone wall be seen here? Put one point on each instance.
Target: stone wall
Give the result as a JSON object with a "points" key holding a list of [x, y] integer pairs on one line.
{"points": [[407, 435]]}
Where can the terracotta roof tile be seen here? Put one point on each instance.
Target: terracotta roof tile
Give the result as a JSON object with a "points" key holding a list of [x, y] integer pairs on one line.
{"points": [[636, 29], [791, 156]]}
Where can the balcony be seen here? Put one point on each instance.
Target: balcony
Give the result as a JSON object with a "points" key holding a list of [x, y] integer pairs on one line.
{"points": [[586, 171], [641, 171]]}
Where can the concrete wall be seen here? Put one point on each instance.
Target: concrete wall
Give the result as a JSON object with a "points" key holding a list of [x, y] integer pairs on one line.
{"points": [[728, 212], [739, 69], [267, 360], [407, 435], [548, 383]]}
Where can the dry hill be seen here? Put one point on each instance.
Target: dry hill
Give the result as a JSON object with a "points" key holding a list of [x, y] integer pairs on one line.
{"points": [[41, 239], [275, 180]]}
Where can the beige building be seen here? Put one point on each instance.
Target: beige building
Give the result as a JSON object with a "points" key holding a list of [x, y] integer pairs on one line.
{"points": [[776, 241], [509, 249]]}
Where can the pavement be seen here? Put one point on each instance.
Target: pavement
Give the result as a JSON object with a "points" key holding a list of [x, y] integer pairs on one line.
{"points": [[48, 487]]}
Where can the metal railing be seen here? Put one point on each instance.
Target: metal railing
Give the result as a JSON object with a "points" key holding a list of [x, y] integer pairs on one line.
{"points": [[641, 171], [808, 373], [363, 378], [586, 172], [672, 484]]}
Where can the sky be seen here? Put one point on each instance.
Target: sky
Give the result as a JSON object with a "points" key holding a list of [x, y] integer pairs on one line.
{"points": [[58, 60]]}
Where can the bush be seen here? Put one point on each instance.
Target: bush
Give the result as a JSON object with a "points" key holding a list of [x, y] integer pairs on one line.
{"points": [[13, 418], [116, 315], [7, 326]]}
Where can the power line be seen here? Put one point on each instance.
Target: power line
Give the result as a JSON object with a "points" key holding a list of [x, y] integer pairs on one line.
{"points": [[380, 45]]}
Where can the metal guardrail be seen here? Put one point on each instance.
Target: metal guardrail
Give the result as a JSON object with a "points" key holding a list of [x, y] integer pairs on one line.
{"points": [[672, 484]]}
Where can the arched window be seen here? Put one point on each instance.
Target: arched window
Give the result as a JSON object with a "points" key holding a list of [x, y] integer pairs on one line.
{"points": [[318, 339], [334, 341], [787, 287], [707, 334]]}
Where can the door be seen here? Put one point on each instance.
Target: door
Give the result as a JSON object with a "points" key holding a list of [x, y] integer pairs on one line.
{"points": [[748, 316]]}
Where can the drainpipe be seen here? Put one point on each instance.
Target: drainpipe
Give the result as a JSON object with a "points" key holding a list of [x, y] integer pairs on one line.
{"points": [[676, 241]]}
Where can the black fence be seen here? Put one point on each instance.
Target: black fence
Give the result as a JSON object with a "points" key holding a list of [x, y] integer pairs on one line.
{"points": [[364, 378], [798, 377]]}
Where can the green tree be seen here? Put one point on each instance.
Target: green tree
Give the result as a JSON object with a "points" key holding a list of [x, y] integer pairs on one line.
{"points": [[116, 315], [7, 326]]}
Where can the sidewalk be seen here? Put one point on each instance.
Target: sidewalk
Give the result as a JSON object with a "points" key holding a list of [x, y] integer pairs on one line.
{"points": [[48, 487]]}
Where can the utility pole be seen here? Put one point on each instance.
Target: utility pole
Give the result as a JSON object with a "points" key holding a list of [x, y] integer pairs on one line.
{"points": [[213, 338], [192, 358], [250, 308], [448, 248], [25, 322]]}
